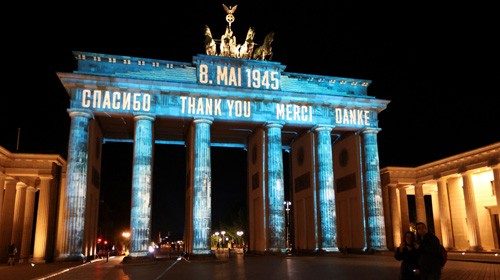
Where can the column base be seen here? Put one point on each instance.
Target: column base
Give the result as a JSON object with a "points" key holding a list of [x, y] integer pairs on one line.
{"points": [[39, 260], [201, 252], [201, 255], [276, 250], [475, 249], [138, 259], [71, 258], [329, 249], [139, 254]]}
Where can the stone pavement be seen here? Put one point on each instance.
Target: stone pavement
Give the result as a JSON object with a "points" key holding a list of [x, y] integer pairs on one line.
{"points": [[475, 257], [358, 267], [39, 271]]}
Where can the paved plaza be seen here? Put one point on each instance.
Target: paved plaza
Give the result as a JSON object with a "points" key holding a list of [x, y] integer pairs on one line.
{"points": [[249, 267]]}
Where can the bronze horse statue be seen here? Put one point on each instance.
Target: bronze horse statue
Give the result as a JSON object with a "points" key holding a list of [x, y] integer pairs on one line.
{"points": [[264, 52]]}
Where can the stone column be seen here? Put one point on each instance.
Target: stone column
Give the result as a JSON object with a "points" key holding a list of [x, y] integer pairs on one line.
{"points": [[76, 187], [405, 215], [61, 234], [29, 208], [496, 181], [420, 203], [373, 194], [202, 187], [42, 220], [140, 213], [395, 215], [444, 213], [471, 212], [7, 213], [326, 191], [388, 208], [436, 215], [275, 188], [18, 221], [2, 188]]}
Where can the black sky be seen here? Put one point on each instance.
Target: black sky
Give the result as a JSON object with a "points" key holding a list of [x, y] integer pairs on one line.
{"points": [[437, 65]]}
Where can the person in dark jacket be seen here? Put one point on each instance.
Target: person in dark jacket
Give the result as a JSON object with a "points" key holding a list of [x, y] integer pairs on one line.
{"points": [[407, 253], [429, 250]]}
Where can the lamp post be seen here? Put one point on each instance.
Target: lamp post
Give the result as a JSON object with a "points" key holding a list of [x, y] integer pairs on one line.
{"points": [[223, 240], [218, 239], [126, 236], [287, 205], [239, 233]]}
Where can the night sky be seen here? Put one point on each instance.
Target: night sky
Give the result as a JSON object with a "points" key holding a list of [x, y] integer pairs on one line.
{"points": [[439, 69]]}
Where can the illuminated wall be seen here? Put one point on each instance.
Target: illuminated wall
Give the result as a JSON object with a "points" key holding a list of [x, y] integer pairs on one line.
{"points": [[257, 208], [304, 193], [93, 188], [350, 210], [485, 196]]}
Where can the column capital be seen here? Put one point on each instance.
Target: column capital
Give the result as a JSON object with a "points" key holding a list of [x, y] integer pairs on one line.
{"points": [[495, 166], [31, 188], [402, 186], [466, 172], [274, 124], [20, 185], [392, 185], [80, 113], [322, 127], [144, 117], [208, 120], [45, 176], [373, 130], [443, 179]]}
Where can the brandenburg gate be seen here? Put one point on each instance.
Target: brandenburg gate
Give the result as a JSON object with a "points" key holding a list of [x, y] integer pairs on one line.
{"points": [[231, 98]]}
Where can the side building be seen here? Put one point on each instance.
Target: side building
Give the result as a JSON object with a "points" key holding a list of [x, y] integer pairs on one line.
{"points": [[457, 197], [30, 185]]}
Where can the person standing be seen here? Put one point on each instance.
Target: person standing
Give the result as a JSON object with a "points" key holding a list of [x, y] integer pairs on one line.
{"points": [[429, 250], [407, 253], [12, 254]]}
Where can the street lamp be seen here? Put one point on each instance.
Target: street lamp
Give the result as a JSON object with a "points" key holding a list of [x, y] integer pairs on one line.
{"points": [[126, 237], [287, 205], [239, 233], [223, 233]]}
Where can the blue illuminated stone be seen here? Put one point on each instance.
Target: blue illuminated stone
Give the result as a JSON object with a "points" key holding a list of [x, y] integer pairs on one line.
{"points": [[202, 173], [326, 192], [275, 188], [76, 184], [140, 215], [375, 212]]}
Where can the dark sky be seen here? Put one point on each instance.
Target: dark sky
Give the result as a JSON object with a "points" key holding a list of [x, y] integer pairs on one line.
{"points": [[437, 65]]}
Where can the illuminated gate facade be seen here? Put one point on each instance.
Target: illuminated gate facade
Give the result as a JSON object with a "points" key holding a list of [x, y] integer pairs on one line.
{"points": [[223, 101]]}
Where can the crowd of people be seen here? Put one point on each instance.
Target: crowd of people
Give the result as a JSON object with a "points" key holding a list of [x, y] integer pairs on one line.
{"points": [[422, 255]]}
